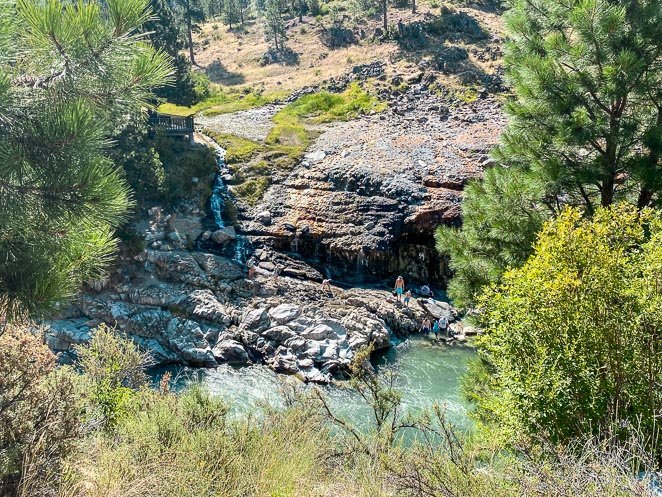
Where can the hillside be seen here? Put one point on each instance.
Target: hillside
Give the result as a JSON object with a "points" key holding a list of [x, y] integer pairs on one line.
{"points": [[461, 43]]}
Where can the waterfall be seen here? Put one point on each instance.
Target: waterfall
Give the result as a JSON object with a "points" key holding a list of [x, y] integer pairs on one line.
{"points": [[219, 190], [360, 264], [242, 245]]}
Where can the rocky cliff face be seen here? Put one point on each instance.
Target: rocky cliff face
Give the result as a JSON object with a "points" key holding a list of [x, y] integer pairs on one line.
{"points": [[362, 205], [366, 199]]}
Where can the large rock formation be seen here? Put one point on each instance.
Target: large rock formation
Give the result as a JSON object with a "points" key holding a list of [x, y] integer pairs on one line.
{"points": [[199, 309], [367, 197], [363, 203]]}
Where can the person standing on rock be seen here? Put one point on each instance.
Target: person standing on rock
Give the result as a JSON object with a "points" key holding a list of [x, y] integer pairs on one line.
{"points": [[251, 268], [277, 270], [326, 286], [407, 298], [426, 325], [400, 288], [435, 330], [443, 325]]}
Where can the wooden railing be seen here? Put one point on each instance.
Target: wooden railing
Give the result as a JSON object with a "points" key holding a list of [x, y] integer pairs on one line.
{"points": [[171, 125]]}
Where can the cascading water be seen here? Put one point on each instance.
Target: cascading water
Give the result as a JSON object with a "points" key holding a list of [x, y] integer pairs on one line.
{"points": [[219, 190], [219, 193]]}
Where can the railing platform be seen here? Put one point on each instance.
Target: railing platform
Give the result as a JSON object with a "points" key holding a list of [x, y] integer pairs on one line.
{"points": [[171, 125]]}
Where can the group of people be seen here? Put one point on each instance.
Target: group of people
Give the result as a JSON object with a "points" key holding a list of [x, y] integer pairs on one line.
{"points": [[438, 326]]}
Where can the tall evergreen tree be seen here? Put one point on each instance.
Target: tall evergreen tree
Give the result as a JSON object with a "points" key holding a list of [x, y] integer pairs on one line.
{"points": [[275, 26], [585, 122], [193, 13], [69, 74], [588, 84], [165, 35], [231, 12], [502, 214], [373, 8]]}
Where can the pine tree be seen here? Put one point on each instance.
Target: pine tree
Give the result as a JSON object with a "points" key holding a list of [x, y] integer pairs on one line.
{"points": [[165, 35], [372, 8], [193, 14], [588, 112], [69, 74], [231, 12], [501, 216], [585, 126], [275, 26]]}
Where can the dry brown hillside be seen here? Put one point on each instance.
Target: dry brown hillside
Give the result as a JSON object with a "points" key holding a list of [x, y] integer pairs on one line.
{"points": [[464, 42]]}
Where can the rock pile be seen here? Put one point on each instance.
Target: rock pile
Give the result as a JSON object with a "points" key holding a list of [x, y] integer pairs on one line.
{"points": [[199, 309]]}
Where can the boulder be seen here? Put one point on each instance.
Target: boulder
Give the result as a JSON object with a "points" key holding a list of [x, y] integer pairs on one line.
{"points": [[150, 323], [224, 235], [364, 330], [230, 351], [256, 320], [316, 156], [202, 304], [319, 332], [284, 313], [278, 334], [264, 217], [436, 308], [61, 336], [188, 339], [284, 361]]}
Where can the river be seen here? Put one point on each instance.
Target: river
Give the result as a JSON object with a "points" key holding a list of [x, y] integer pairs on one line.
{"points": [[427, 373]]}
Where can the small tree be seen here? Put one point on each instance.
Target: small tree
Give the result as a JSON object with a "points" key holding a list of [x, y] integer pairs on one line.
{"points": [[275, 26], [40, 414], [231, 12], [372, 8], [115, 368], [573, 337]]}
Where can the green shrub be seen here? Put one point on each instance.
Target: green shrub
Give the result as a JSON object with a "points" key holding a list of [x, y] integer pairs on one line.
{"points": [[186, 446], [182, 162], [40, 413], [114, 367], [201, 86], [237, 149], [571, 334]]}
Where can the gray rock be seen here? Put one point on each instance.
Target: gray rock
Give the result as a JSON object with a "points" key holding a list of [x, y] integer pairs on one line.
{"points": [[224, 235], [202, 304], [284, 313], [230, 351], [319, 332], [279, 334], [264, 217], [256, 320], [316, 156], [188, 340], [174, 237], [63, 335], [284, 361]]}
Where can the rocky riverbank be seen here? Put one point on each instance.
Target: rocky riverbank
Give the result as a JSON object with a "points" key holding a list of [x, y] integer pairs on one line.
{"points": [[200, 309]]}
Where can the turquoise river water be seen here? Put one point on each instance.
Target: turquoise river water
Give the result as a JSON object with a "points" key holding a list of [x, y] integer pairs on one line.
{"points": [[427, 373]]}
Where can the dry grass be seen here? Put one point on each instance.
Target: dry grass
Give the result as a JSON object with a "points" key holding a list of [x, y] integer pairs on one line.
{"points": [[231, 58]]}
